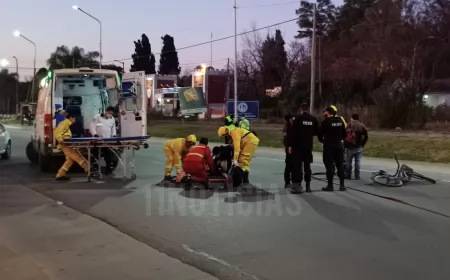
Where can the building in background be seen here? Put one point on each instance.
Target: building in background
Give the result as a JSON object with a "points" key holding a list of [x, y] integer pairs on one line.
{"points": [[216, 85], [160, 97], [438, 93]]}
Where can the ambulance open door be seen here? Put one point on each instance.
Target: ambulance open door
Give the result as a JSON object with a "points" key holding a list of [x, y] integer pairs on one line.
{"points": [[133, 105]]}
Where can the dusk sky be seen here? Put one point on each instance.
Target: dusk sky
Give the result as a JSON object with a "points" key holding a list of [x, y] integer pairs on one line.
{"points": [[50, 23]]}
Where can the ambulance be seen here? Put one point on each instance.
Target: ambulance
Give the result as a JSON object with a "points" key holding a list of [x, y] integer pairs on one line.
{"points": [[84, 93]]}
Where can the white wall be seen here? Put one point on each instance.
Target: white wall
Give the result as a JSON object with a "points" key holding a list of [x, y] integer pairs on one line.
{"points": [[436, 99]]}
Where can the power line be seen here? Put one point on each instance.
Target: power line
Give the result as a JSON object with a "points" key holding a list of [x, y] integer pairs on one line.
{"points": [[269, 5], [95, 64], [20, 68], [208, 42], [191, 46]]}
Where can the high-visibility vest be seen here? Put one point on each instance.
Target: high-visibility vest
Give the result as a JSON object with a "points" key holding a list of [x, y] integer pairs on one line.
{"points": [[245, 124]]}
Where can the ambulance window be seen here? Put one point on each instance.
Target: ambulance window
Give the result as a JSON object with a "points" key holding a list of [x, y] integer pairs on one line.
{"points": [[134, 103]]}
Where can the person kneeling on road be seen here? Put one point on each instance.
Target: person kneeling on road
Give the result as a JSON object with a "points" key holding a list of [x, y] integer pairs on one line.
{"points": [[174, 150], [245, 144], [62, 132], [332, 135], [196, 162]]}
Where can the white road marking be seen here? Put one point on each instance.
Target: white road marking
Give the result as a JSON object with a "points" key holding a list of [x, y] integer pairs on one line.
{"points": [[222, 262]]}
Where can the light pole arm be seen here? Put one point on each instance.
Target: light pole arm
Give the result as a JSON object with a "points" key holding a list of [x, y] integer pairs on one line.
{"points": [[81, 10], [28, 40], [99, 22], [34, 67]]}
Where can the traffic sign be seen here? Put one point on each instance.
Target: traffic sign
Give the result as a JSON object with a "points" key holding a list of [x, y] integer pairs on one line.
{"points": [[248, 109]]}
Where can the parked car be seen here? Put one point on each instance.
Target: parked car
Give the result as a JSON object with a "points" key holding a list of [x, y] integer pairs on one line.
{"points": [[5, 143]]}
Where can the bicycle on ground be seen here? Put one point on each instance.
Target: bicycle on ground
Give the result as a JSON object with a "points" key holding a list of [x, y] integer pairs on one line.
{"points": [[402, 176]]}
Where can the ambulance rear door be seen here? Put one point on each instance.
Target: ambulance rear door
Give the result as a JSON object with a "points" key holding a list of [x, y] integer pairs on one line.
{"points": [[133, 105]]}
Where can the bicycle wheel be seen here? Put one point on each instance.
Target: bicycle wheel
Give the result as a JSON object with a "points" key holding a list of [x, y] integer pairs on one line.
{"points": [[388, 181], [416, 175]]}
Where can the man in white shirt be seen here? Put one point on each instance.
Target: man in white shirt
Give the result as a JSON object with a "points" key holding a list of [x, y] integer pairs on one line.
{"points": [[104, 126]]}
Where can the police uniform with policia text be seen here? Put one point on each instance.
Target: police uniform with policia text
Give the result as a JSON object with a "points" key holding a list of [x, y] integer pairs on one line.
{"points": [[332, 135], [305, 127]]}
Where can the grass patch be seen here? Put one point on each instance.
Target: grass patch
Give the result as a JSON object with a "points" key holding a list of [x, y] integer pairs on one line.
{"points": [[407, 147], [10, 121]]}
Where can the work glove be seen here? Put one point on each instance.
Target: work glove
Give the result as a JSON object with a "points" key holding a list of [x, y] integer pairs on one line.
{"points": [[235, 163]]}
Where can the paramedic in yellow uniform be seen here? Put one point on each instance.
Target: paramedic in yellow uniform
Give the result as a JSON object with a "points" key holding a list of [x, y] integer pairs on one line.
{"points": [[61, 132], [174, 150], [245, 144]]}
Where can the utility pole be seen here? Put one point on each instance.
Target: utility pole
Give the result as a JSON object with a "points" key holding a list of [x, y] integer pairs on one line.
{"points": [[17, 85], [313, 61], [235, 61], [320, 65], [228, 85], [211, 50]]}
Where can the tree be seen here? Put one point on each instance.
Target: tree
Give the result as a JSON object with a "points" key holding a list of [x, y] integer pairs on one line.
{"points": [[168, 62], [63, 57], [143, 58], [7, 84], [351, 13], [325, 17], [274, 61]]}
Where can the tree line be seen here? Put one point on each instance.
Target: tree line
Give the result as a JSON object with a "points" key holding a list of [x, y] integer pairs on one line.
{"points": [[375, 56], [76, 57]]}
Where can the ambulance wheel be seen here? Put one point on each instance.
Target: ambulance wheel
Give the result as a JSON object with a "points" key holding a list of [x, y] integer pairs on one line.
{"points": [[45, 163], [32, 154], [114, 161]]}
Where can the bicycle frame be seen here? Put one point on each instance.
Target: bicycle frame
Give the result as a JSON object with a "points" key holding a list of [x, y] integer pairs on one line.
{"points": [[399, 174]]}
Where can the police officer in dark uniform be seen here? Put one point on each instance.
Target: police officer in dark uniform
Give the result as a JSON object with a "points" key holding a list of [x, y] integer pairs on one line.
{"points": [[304, 128], [332, 135]]}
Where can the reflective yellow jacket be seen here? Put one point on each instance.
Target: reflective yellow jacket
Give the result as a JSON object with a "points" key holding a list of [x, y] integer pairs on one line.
{"points": [[177, 145], [343, 120], [62, 131], [240, 138]]}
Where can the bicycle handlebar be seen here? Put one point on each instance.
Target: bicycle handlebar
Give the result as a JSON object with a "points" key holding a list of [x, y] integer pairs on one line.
{"points": [[396, 159]]}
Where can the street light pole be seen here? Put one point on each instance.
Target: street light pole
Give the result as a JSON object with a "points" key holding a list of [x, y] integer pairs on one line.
{"points": [[17, 85], [313, 61], [18, 34], [235, 61], [413, 67], [123, 65], [211, 49], [101, 54]]}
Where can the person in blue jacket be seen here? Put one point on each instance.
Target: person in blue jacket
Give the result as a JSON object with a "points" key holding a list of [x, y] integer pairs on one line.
{"points": [[60, 114]]}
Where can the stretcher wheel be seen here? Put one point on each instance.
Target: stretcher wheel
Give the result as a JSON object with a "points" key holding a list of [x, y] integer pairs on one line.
{"points": [[145, 146], [133, 176]]}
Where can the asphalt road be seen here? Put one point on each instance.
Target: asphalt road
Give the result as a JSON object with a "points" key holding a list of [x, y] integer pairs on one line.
{"points": [[266, 232]]}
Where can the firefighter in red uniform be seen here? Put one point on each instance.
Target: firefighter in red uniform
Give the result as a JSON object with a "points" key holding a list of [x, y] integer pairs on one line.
{"points": [[198, 163]]}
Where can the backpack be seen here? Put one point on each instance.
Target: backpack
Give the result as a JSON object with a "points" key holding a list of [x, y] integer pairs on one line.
{"points": [[350, 135]]}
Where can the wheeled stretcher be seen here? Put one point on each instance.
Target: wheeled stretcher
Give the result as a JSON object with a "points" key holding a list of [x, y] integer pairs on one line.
{"points": [[85, 145]]}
